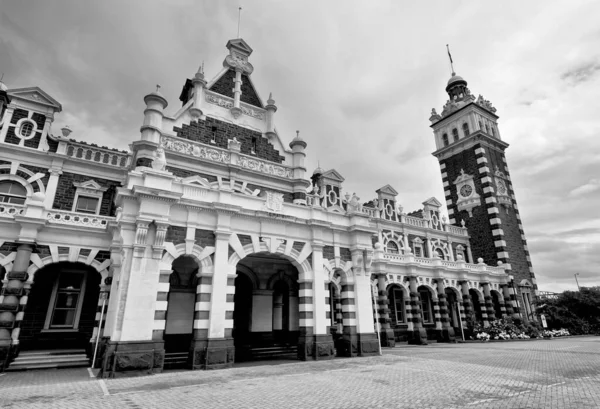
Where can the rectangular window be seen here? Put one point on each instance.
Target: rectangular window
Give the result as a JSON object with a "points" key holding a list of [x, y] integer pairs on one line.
{"points": [[418, 251], [426, 306], [398, 305], [87, 204], [67, 300], [253, 148]]}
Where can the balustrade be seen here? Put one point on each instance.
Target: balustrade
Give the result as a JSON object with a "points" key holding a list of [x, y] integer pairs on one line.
{"points": [[97, 154], [78, 219], [11, 210]]}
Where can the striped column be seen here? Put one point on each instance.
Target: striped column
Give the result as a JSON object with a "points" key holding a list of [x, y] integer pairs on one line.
{"points": [[489, 305], [328, 312], [306, 320], [418, 335], [446, 332], [202, 307], [349, 338], [510, 299], [507, 305], [229, 303], [386, 333], [13, 304], [467, 304], [160, 312]]}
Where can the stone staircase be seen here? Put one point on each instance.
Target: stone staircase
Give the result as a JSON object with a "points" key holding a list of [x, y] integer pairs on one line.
{"points": [[65, 358], [274, 352]]}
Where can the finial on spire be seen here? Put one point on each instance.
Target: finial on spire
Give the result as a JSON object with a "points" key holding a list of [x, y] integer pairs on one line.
{"points": [[271, 101], [239, 20], [451, 62], [157, 88], [297, 134]]}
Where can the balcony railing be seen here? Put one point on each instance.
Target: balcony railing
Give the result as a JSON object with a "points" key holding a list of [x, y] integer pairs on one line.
{"points": [[97, 154], [78, 219], [400, 258], [11, 210]]}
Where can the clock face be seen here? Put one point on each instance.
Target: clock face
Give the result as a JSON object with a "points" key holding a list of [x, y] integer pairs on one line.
{"points": [[501, 187], [466, 190]]}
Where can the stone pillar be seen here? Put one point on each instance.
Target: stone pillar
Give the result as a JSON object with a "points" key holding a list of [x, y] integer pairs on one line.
{"points": [[217, 350], [407, 248], [446, 334], [368, 344], [14, 300], [386, 333], [489, 305], [469, 255], [429, 248], [418, 335], [349, 342], [509, 301], [237, 93], [51, 188], [467, 305], [451, 250], [306, 320]]}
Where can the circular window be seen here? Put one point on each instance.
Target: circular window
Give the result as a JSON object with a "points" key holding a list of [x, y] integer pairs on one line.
{"points": [[389, 209], [27, 129], [333, 197]]}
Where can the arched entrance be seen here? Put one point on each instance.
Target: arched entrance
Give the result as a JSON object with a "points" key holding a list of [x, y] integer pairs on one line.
{"points": [[476, 300], [179, 326], [452, 297], [496, 297], [61, 308], [266, 312]]}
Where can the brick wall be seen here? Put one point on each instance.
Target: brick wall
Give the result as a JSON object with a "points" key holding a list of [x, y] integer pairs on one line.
{"points": [[65, 192], [176, 234], [211, 128], [225, 86], [205, 238], [18, 114]]}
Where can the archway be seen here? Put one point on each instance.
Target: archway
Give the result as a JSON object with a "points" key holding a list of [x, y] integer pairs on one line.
{"points": [[179, 317], [476, 300], [61, 307], [452, 297], [266, 311], [397, 297], [496, 297]]}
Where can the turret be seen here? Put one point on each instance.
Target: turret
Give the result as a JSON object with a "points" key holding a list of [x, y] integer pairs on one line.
{"points": [[199, 83], [144, 149], [271, 109]]}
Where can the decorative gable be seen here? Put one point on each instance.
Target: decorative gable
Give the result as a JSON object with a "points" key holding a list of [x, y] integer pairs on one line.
{"points": [[240, 46], [90, 187], [387, 190], [35, 95]]}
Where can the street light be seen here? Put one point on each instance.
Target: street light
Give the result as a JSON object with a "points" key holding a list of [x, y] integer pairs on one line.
{"points": [[578, 288]]}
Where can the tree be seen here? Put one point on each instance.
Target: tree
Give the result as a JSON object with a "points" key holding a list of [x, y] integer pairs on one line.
{"points": [[577, 311]]}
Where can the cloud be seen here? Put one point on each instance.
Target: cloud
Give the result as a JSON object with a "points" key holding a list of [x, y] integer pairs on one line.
{"points": [[582, 73], [591, 186]]}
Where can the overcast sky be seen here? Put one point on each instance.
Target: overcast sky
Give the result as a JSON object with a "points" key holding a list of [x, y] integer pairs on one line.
{"points": [[358, 79]]}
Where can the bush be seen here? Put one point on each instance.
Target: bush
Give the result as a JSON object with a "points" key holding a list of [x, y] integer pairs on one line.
{"points": [[578, 312]]}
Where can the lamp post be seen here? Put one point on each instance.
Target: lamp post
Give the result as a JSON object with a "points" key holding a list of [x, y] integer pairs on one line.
{"points": [[575, 275]]}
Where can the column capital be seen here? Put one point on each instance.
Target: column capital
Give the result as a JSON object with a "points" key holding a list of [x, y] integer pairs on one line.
{"points": [[223, 234]]}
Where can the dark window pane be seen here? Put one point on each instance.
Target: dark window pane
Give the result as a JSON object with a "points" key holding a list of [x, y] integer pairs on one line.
{"points": [[67, 300], [63, 318], [71, 281]]}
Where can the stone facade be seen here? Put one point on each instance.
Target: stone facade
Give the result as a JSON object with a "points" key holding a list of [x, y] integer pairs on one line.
{"points": [[209, 243]]}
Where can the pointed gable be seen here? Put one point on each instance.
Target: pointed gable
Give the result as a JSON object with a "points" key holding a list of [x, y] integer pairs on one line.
{"points": [[36, 95], [333, 175], [387, 189], [225, 85], [432, 201]]}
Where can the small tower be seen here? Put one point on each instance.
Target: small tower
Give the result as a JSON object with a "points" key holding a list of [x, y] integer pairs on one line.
{"points": [[144, 150], [478, 187]]}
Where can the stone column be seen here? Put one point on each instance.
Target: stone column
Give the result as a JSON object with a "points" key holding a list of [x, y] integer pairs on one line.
{"points": [[51, 188], [469, 255], [14, 300], [446, 334], [467, 304], [429, 248], [451, 250], [489, 305], [509, 301], [323, 342], [217, 351], [237, 93], [349, 342], [418, 336], [386, 333]]}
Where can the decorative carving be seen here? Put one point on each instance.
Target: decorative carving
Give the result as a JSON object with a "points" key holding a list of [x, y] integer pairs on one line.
{"points": [[234, 144], [467, 197], [197, 151], [227, 103], [160, 161], [485, 103], [353, 204], [264, 167], [274, 202]]}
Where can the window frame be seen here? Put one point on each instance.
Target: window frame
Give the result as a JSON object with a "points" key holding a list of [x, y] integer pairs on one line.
{"points": [[89, 189], [428, 304], [465, 128], [455, 135], [396, 251], [10, 195], [19, 128], [418, 244], [395, 289], [48, 327], [445, 140]]}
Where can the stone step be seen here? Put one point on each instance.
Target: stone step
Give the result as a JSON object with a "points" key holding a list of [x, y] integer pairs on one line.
{"points": [[47, 365], [49, 359], [52, 352]]}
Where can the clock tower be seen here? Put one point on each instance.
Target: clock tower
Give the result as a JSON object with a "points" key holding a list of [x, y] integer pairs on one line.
{"points": [[478, 188]]}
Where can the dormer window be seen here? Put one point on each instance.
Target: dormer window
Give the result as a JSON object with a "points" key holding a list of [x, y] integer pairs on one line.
{"points": [[466, 129], [445, 139], [455, 134], [12, 192]]}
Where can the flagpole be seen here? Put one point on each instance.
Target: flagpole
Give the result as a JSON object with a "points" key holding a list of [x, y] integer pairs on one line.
{"points": [[450, 57]]}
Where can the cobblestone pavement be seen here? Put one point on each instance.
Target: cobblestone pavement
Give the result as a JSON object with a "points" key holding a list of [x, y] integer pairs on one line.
{"points": [[559, 373]]}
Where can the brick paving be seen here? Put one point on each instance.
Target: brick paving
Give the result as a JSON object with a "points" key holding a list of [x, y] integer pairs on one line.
{"points": [[559, 373]]}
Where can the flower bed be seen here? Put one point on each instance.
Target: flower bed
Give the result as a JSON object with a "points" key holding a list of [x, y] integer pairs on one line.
{"points": [[508, 328]]}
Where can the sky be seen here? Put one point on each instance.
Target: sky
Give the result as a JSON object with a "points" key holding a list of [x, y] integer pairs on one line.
{"points": [[359, 80]]}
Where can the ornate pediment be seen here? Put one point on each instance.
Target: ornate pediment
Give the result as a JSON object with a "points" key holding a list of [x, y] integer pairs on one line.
{"points": [[333, 175], [433, 202], [36, 95], [387, 190], [240, 46], [90, 185], [196, 181]]}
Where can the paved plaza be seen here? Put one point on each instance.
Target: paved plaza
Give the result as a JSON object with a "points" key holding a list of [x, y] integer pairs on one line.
{"points": [[558, 373]]}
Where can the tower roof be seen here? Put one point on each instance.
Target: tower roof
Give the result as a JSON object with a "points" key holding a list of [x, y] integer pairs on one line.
{"points": [[455, 80]]}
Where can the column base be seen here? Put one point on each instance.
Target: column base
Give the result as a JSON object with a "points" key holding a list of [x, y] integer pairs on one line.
{"points": [[418, 336], [5, 354], [132, 358], [317, 347], [446, 335], [388, 340], [359, 345], [215, 353]]}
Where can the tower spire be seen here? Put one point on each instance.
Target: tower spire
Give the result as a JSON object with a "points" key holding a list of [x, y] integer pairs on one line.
{"points": [[451, 62], [239, 21]]}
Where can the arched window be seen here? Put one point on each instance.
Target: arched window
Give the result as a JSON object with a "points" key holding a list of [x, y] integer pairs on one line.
{"points": [[426, 307], [26, 129], [440, 253], [455, 134], [12, 192], [445, 139], [392, 247], [493, 132], [466, 129], [397, 299], [487, 129]]}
